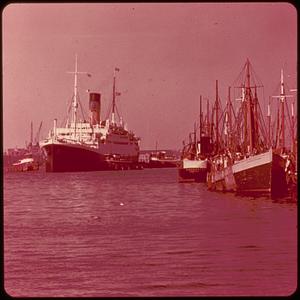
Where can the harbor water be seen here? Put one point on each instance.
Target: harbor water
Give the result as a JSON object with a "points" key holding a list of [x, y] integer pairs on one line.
{"points": [[141, 233]]}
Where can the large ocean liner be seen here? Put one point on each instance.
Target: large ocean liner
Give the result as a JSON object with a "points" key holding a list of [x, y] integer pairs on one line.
{"points": [[249, 165], [92, 145]]}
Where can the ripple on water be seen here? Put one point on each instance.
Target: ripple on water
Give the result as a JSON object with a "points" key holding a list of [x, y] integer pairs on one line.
{"points": [[68, 235]]}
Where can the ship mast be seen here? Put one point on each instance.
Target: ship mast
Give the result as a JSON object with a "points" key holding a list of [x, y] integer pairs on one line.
{"points": [[249, 111], [207, 117], [31, 134], [113, 121], [200, 118], [293, 127], [195, 137], [217, 118], [230, 118], [244, 110], [269, 123], [293, 122], [249, 106], [228, 127], [282, 98], [75, 97], [256, 120]]}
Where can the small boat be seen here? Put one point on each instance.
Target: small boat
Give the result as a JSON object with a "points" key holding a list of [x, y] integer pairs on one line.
{"points": [[30, 157], [194, 157], [288, 154], [160, 159], [24, 165], [193, 164], [192, 170]]}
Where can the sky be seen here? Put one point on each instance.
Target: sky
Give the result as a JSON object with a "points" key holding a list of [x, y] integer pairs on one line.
{"points": [[168, 55]]}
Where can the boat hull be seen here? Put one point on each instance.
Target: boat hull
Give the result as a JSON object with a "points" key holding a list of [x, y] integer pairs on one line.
{"points": [[262, 174], [192, 171], [279, 184], [26, 167], [254, 180], [73, 158], [216, 181], [162, 163], [192, 175]]}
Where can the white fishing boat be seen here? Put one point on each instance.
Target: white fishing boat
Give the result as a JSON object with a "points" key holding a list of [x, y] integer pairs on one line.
{"points": [[194, 158], [25, 164]]}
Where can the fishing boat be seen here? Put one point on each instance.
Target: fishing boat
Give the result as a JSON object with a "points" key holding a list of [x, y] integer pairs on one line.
{"points": [[292, 174], [30, 158], [160, 159], [192, 170], [250, 166], [94, 144], [283, 118], [194, 157], [28, 163]]}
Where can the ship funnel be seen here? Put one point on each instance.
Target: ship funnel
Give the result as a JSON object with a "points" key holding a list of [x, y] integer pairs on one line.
{"points": [[95, 105]]}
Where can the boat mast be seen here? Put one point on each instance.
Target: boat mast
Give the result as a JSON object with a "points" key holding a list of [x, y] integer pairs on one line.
{"points": [[231, 111], [229, 121], [269, 122], [282, 98], [75, 102], [244, 111], [256, 120], [207, 117], [293, 127], [217, 117], [195, 137], [249, 105], [200, 119], [31, 134], [277, 129], [114, 97], [75, 98]]}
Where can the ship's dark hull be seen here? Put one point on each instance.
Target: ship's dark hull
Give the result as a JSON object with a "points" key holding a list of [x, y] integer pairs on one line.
{"points": [[261, 175], [192, 175], [162, 163], [68, 158], [268, 178], [192, 170], [25, 167], [254, 180], [279, 185]]}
